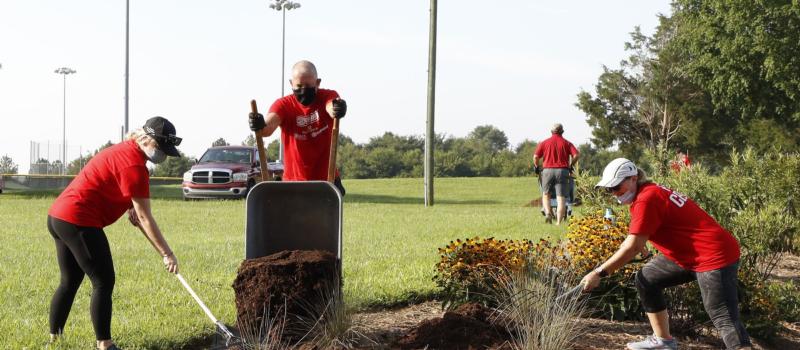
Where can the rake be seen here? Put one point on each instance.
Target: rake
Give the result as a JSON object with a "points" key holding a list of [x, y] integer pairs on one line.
{"points": [[224, 330]]}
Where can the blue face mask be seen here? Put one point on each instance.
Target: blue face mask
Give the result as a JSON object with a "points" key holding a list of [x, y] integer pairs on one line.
{"points": [[627, 197]]}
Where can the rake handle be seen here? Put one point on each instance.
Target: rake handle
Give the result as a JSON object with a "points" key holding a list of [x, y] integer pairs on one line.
{"points": [[219, 324], [196, 298]]}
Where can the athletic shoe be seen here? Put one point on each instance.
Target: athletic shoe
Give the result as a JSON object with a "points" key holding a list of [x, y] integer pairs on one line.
{"points": [[548, 219], [653, 342]]}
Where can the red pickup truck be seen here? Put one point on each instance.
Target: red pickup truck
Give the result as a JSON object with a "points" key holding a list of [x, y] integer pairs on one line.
{"points": [[226, 172]]}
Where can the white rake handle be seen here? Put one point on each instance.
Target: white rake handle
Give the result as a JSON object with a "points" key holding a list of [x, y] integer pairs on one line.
{"points": [[196, 298]]}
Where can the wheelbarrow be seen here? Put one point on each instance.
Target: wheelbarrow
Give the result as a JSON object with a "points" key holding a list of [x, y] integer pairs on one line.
{"points": [[294, 215], [570, 198]]}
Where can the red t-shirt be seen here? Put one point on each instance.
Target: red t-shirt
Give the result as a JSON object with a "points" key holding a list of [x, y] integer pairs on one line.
{"points": [[306, 135], [555, 152], [102, 191], [681, 230]]}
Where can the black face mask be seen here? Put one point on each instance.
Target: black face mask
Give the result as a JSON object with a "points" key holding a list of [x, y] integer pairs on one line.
{"points": [[305, 95]]}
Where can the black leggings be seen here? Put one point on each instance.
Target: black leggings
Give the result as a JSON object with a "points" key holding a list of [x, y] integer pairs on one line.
{"points": [[82, 251]]}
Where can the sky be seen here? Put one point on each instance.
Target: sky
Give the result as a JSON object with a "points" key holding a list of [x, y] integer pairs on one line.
{"points": [[516, 64]]}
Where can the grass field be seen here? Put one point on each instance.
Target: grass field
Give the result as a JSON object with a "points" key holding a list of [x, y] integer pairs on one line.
{"points": [[390, 242]]}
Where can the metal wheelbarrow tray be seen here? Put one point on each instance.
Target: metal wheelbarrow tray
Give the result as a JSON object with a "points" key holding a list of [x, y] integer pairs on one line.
{"points": [[293, 216]]}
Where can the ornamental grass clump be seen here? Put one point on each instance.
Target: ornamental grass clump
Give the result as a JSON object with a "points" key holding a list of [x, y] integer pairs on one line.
{"points": [[536, 310]]}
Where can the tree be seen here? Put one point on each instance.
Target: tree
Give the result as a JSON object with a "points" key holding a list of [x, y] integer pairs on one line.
{"points": [[273, 150], [75, 166], [493, 138], [7, 165], [220, 142], [173, 166], [744, 55], [647, 101], [250, 140]]}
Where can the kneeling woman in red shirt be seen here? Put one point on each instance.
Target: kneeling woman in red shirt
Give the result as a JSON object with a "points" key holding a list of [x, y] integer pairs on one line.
{"points": [[693, 246], [116, 180]]}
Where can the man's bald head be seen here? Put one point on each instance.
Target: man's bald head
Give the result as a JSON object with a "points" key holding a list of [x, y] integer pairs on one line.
{"points": [[304, 73]]}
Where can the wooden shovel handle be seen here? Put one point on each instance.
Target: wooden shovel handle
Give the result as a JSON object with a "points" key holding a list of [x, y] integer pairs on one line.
{"points": [[262, 153], [332, 156]]}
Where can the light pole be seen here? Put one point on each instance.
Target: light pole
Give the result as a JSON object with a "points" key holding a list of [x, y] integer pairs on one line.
{"points": [[127, 54], [64, 71], [283, 5]]}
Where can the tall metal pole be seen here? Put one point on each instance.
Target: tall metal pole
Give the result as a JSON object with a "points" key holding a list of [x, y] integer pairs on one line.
{"points": [[64, 132], [429, 130], [283, 63], [283, 50], [64, 71], [127, 13]]}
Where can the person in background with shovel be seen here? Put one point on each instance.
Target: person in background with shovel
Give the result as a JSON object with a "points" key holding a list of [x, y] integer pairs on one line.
{"points": [[116, 180], [306, 121], [693, 246]]}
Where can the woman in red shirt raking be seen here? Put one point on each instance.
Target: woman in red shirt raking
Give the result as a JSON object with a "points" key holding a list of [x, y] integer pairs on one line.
{"points": [[116, 180], [693, 246]]}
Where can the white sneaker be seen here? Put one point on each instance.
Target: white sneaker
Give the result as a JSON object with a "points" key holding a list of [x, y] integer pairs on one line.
{"points": [[652, 342]]}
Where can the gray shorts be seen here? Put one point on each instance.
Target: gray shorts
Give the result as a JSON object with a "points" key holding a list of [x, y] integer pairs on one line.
{"points": [[558, 178], [717, 289]]}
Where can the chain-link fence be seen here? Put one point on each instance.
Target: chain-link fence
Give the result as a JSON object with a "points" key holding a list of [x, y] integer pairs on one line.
{"points": [[48, 158]]}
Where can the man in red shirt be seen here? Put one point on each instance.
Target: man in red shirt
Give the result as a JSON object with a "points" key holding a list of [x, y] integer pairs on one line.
{"points": [[693, 246], [116, 180], [306, 121], [558, 158]]}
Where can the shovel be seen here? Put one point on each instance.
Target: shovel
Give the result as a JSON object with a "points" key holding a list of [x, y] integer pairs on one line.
{"points": [[224, 330], [262, 154]]}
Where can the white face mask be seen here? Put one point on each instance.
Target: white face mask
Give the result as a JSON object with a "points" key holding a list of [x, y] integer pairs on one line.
{"points": [[155, 155], [627, 197]]}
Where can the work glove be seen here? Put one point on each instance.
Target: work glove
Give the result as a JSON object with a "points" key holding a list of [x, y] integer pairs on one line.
{"points": [[339, 108], [537, 170], [171, 263], [256, 121]]}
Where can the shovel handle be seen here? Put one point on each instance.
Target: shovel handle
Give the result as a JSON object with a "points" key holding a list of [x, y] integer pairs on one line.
{"points": [[262, 154], [332, 155]]}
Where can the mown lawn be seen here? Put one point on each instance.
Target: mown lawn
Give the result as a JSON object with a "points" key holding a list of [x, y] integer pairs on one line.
{"points": [[390, 242]]}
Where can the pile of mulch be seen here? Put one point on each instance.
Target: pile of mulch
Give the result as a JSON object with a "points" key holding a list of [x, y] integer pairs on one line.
{"points": [[468, 327], [289, 285]]}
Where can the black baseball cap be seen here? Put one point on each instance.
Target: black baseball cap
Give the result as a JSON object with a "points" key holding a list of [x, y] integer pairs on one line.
{"points": [[164, 133]]}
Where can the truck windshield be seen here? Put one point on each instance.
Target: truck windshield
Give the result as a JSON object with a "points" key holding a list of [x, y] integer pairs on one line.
{"points": [[226, 156]]}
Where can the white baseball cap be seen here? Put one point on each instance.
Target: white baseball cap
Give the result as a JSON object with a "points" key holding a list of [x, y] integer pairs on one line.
{"points": [[616, 171]]}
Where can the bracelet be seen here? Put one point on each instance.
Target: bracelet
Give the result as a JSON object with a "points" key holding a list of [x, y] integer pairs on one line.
{"points": [[168, 254], [600, 272]]}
